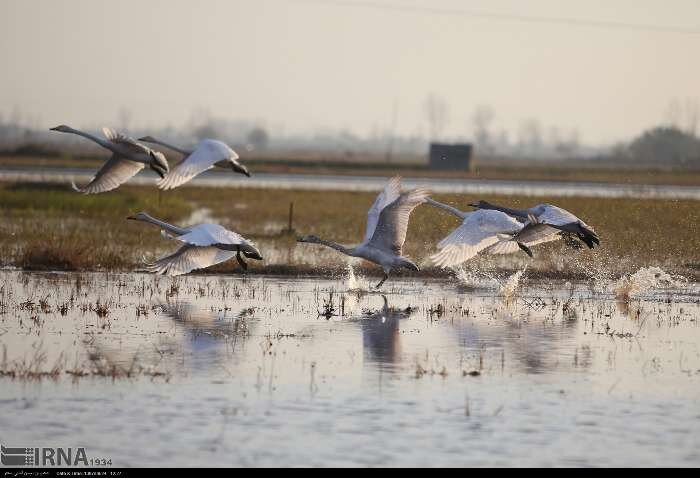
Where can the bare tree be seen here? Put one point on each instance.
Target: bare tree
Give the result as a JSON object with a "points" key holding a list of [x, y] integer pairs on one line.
{"points": [[482, 118], [692, 111], [530, 136], [258, 138], [436, 111], [683, 115], [674, 113], [565, 145]]}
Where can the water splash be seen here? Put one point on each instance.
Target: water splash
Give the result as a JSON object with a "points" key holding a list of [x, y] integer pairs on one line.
{"points": [[645, 279], [511, 284], [354, 282], [475, 279]]}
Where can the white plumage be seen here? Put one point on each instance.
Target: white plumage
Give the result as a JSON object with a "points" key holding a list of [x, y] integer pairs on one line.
{"points": [[478, 231], [189, 258], [389, 232], [389, 194], [548, 217], [209, 235], [128, 158], [207, 154], [487, 231], [115, 172], [204, 245], [387, 223]]}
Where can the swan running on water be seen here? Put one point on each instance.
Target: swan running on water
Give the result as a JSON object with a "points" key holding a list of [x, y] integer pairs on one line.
{"points": [[492, 232], [387, 222], [128, 158], [207, 154], [549, 218], [204, 245]]}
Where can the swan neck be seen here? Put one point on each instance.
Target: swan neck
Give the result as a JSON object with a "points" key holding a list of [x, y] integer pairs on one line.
{"points": [[511, 212], [164, 225], [170, 146], [447, 208], [337, 247], [100, 141]]}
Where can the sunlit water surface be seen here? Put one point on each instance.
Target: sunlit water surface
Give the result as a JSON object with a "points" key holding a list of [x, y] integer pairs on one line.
{"points": [[209, 370]]}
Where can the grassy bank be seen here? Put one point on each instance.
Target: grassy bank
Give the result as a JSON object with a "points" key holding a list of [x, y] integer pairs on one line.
{"points": [[52, 227]]}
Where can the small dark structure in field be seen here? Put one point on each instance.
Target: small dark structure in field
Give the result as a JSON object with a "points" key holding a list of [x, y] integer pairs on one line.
{"points": [[455, 157]]}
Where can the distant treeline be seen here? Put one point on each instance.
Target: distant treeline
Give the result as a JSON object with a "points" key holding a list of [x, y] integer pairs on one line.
{"points": [[662, 145]]}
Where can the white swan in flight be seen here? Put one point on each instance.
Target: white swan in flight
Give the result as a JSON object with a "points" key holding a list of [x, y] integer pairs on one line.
{"points": [[207, 154], [549, 217], [204, 245], [128, 158], [387, 222], [492, 232]]}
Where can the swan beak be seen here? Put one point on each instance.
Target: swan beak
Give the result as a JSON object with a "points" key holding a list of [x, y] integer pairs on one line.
{"points": [[239, 168], [55, 128], [133, 218]]}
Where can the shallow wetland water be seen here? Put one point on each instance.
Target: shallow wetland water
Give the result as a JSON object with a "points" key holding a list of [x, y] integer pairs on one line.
{"points": [[213, 370]]}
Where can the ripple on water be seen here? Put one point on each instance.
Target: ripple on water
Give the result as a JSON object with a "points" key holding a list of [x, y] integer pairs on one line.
{"points": [[421, 374]]}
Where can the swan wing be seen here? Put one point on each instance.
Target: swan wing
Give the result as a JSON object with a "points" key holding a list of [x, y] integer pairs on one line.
{"points": [[557, 216], [389, 194], [126, 141], [480, 230], [390, 231], [189, 258], [538, 233], [115, 172], [204, 157], [209, 235]]}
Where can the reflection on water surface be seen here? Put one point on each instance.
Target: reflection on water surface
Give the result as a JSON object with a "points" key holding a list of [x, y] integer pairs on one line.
{"points": [[268, 371]]}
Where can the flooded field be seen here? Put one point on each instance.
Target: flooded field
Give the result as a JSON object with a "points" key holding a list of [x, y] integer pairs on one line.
{"points": [[329, 182], [219, 370]]}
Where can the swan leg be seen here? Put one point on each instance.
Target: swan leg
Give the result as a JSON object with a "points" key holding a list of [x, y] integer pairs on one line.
{"points": [[386, 276], [159, 171], [525, 249], [240, 260]]}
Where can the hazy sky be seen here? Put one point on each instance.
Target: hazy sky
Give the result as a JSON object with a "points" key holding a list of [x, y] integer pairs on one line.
{"points": [[304, 65]]}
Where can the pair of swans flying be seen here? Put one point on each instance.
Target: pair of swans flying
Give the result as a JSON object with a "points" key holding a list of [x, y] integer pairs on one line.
{"points": [[490, 229], [130, 156]]}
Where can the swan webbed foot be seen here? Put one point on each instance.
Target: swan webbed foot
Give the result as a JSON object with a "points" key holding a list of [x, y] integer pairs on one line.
{"points": [[240, 260]]}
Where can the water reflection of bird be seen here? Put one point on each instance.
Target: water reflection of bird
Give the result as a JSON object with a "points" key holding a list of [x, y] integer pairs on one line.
{"points": [[201, 321], [531, 348], [128, 158], [208, 333], [387, 222], [380, 333], [204, 245], [206, 155]]}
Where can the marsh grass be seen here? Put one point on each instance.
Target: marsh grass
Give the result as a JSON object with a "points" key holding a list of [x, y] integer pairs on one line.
{"points": [[51, 227]]}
